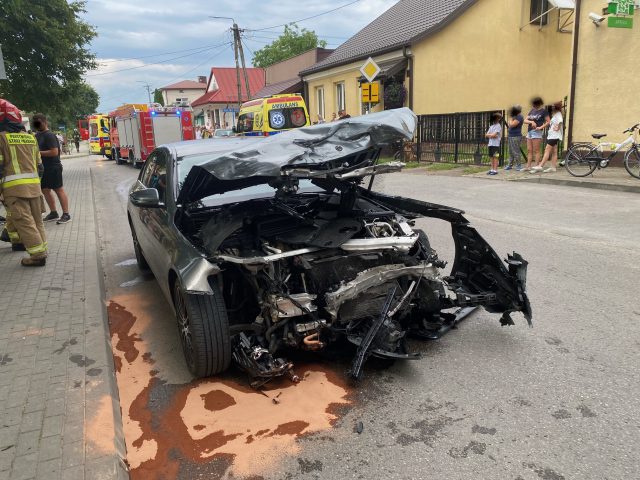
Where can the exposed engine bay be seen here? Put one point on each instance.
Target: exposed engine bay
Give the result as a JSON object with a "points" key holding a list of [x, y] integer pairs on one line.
{"points": [[306, 267]]}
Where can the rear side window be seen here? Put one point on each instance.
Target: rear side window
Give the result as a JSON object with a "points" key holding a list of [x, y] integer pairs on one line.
{"points": [[245, 123], [94, 129], [287, 118]]}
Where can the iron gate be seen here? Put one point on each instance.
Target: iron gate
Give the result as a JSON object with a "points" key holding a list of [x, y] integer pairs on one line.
{"points": [[455, 138]]}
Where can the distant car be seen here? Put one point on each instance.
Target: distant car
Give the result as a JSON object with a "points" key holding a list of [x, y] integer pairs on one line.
{"points": [[265, 243], [223, 133]]}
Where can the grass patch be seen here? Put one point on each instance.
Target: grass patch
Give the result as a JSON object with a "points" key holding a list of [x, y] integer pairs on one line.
{"points": [[474, 169], [441, 167]]}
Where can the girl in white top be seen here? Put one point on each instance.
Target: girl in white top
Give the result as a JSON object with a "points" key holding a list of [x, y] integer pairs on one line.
{"points": [[554, 136]]}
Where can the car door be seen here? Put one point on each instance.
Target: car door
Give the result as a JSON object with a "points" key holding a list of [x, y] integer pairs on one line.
{"points": [[160, 237]]}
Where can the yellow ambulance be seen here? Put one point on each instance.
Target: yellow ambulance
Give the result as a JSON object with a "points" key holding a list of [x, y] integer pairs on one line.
{"points": [[271, 115]]}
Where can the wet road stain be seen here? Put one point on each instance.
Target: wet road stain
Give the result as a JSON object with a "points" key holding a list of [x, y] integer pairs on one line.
{"points": [[483, 430], [586, 412], [217, 400], [561, 414], [217, 427], [65, 344], [81, 360], [545, 473], [4, 359], [477, 448]]}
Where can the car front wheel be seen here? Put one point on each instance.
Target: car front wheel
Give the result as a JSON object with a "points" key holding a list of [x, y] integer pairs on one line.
{"points": [[140, 260], [204, 330]]}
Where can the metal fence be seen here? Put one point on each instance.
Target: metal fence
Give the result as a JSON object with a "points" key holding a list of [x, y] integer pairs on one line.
{"points": [[455, 138], [460, 138]]}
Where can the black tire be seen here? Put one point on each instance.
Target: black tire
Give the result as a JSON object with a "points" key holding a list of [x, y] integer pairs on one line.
{"points": [[632, 162], [143, 265], [116, 156], [581, 159], [131, 159], [203, 327]]}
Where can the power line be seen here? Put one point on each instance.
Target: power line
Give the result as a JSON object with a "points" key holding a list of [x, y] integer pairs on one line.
{"points": [[157, 54], [154, 63], [304, 19], [206, 60]]}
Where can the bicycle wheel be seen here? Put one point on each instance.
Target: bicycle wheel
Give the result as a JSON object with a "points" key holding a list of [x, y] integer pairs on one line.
{"points": [[632, 162], [581, 159]]}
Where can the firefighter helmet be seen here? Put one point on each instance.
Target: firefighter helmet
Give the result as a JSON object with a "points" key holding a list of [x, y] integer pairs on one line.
{"points": [[10, 117]]}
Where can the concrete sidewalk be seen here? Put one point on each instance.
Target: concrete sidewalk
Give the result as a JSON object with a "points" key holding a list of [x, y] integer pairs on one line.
{"points": [[59, 418], [611, 178]]}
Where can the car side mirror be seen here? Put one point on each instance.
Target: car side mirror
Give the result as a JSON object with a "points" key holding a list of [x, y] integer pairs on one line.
{"points": [[146, 198]]}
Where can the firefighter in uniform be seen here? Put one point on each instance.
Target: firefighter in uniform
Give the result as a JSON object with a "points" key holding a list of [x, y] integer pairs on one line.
{"points": [[20, 186]]}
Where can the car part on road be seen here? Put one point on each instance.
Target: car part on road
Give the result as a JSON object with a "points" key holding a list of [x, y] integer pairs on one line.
{"points": [[276, 244]]}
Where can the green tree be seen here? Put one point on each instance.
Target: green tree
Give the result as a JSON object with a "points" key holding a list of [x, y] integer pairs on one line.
{"points": [[79, 100], [157, 96], [45, 50], [292, 42]]}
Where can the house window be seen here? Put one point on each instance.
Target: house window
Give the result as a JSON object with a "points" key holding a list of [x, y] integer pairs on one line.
{"points": [[538, 7], [182, 100], [340, 100], [181, 91], [320, 102]]}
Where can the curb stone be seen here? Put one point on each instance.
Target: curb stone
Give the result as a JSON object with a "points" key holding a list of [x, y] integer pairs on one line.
{"points": [[108, 470]]}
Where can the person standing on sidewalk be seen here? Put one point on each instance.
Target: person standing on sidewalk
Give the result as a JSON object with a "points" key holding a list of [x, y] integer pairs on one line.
{"points": [[515, 137], [52, 178], [537, 119], [494, 134], [554, 137], [20, 187], [76, 139]]}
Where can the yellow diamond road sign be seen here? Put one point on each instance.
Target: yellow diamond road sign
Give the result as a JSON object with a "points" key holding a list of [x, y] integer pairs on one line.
{"points": [[370, 69]]}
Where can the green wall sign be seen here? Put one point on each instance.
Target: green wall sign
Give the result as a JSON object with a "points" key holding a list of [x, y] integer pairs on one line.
{"points": [[622, 7], [620, 22]]}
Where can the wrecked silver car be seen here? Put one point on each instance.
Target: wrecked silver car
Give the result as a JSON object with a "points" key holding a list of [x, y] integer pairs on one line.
{"points": [[263, 244]]}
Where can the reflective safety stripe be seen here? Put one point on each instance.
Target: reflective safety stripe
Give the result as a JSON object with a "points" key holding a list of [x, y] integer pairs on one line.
{"points": [[24, 181], [14, 159], [14, 237], [36, 249], [8, 178], [35, 153]]}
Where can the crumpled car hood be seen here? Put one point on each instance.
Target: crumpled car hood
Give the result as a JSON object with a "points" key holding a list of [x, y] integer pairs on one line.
{"points": [[257, 162]]}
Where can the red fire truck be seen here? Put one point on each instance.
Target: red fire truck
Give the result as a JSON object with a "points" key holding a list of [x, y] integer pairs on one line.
{"points": [[136, 129], [83, 128]]}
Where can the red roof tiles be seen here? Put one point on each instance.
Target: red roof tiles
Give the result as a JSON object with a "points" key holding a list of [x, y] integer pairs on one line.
{"points": [[186, 85], [227, 82]]}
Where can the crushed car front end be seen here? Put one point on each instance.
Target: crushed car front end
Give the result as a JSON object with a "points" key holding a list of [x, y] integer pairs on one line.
{"points": [[317, 256]]}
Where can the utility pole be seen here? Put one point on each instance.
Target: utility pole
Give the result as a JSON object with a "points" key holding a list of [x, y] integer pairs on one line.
{"points": [[236, 34], [239, 57], [147, 87], [235, 53]]}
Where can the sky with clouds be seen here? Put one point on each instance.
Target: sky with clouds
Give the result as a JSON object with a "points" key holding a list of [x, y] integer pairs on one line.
{"points": [[163, 41]]}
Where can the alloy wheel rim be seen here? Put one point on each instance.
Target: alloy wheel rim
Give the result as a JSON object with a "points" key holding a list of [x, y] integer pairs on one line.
{"points": [[184, 327]]}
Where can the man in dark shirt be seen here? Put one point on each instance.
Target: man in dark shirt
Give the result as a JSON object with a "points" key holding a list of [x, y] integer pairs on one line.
{"points": [[52, 178]]}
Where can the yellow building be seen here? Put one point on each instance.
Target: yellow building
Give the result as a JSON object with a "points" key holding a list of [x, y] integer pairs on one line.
{"points": [[607, 75], [453, 56]]}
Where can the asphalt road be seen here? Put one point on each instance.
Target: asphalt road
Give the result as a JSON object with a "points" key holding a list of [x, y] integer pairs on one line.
{"points": [[559, 401]]}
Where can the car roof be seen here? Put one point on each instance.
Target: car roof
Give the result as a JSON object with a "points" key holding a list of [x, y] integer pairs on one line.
{"points": [[214, 146]]}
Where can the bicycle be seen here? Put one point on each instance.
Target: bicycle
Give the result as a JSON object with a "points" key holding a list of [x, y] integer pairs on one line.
{"points": [[583, 158]]}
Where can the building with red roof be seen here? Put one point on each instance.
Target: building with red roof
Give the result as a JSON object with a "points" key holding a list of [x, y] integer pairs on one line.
{"points": [[184, 92], [219, 104]]}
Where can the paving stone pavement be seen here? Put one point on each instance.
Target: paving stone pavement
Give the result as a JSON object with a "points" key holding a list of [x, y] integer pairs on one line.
{"points": [[59, 415]]}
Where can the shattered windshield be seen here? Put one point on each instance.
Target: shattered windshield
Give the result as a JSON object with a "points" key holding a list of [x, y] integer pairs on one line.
{"points": [[263, 190]]}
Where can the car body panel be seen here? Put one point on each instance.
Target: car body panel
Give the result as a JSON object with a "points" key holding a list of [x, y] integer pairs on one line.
{"points": [[302, 253]]}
